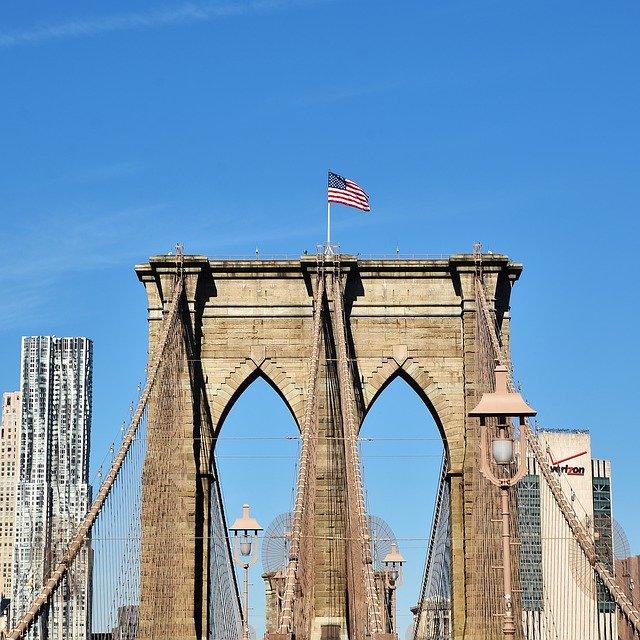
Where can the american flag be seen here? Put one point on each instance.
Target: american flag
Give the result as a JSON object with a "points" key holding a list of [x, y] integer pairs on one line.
{"points": [[347, 192]]}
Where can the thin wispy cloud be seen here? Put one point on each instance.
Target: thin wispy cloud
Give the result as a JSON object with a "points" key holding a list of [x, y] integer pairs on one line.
{"points": [[51, 252], [188, 12], [332, 93]]}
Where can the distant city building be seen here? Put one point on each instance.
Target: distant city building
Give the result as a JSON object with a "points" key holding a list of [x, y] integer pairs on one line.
{"points": [[555, 576], [9, 447], [53, 493], [127, 623], [435, 619], [628, 577]]}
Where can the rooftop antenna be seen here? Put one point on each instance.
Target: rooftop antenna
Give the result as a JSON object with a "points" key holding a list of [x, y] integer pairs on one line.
{"points": [[179, 261], [397, 251], [257, 253]]}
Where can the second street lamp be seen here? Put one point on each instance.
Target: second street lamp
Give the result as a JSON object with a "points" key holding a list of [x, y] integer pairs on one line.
{"points": [[245, 553], [393, 562]]}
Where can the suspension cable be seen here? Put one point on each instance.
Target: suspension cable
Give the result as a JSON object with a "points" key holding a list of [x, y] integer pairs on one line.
{"points": [[626, 607], [374, 616], [307, 460], [81, 535]]}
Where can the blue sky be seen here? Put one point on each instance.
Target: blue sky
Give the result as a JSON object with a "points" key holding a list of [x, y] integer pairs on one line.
{"points": [[129, 126]]}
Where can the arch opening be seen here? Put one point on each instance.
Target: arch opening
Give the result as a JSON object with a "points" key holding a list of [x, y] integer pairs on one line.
{"points": [[256, 454], [402, 447], [247, 382], [413, 384]]}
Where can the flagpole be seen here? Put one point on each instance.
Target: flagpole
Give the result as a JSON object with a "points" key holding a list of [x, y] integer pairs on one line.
{"points": [[328, 225]]}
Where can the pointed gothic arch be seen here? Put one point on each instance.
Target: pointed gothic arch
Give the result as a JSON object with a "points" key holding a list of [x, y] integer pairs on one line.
{"points": [[441, 408], [224, 396]]}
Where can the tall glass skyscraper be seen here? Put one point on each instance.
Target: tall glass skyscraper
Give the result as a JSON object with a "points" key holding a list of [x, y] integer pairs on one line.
{"points": [[53, 492]]}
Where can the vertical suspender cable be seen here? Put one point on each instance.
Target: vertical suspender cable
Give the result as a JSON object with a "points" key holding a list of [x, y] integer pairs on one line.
{"points": [[305, 476], [374, 616]]}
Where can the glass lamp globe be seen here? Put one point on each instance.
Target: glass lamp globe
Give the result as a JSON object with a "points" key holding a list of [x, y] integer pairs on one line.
{"points": [[502, 450]]}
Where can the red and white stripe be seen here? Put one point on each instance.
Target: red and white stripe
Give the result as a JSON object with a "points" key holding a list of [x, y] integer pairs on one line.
{"points": [[353, 196]]}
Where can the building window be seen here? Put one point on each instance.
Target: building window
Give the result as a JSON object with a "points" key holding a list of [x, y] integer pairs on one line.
{"points": [[530, 543], [604, 540]]}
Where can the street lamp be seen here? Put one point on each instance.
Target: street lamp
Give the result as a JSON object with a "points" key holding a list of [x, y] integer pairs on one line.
{"points": [[503, 404], [244, 547], [393, 562]]}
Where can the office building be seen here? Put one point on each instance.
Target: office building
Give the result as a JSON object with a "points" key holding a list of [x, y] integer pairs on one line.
{"points": [[53, 493], [628, 575], [556, 578]]}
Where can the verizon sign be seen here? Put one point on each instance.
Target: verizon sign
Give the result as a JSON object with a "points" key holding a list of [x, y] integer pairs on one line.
{"points": [[558, 466]]}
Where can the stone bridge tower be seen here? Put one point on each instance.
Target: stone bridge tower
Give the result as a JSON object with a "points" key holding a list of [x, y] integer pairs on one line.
{"points": [[248, 318]]}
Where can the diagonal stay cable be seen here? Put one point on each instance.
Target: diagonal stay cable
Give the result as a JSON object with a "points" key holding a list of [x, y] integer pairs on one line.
{"points": [[628, 611], [80, 537]]}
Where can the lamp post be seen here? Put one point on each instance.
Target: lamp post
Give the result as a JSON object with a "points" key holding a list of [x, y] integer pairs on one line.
{"points": [[503, 404], [245, 553], [393, 562]]}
